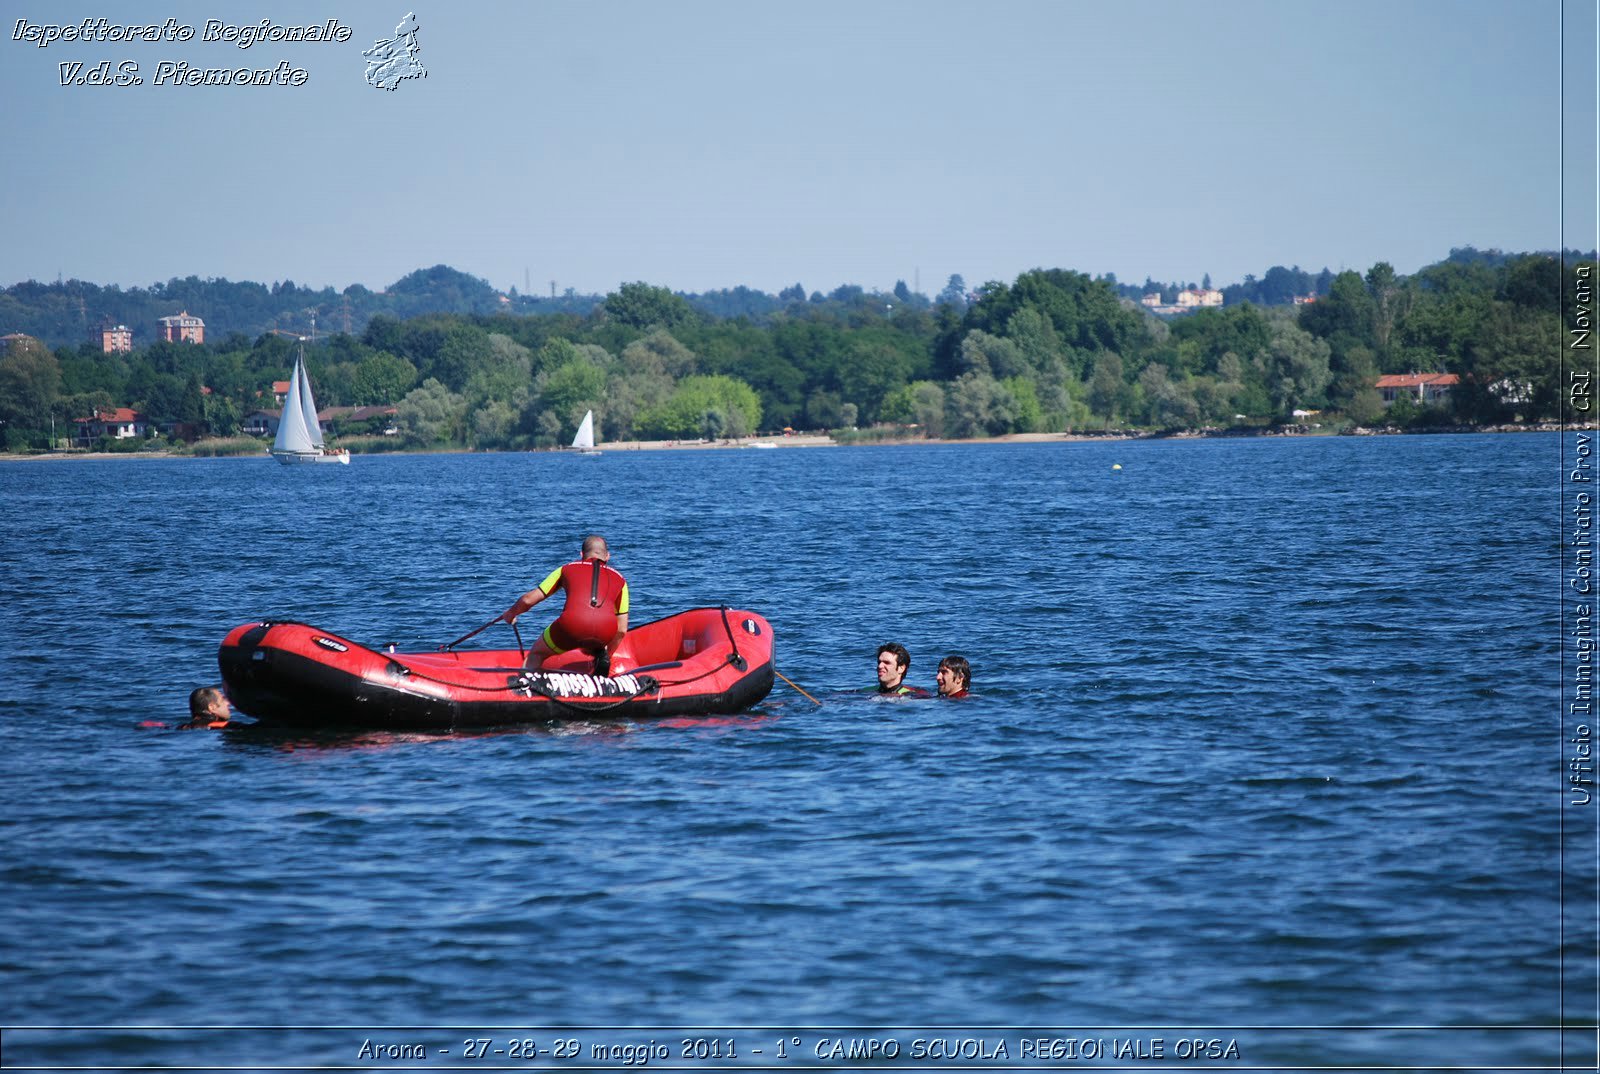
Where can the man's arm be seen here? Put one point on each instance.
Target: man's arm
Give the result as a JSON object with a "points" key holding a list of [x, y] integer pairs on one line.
{"points": [[523, 603], [622, 620], [622, 630], [533, 596]]}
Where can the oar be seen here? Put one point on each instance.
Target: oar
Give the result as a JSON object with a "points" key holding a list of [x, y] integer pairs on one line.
{"points": [[803, 694], [472, 634]]}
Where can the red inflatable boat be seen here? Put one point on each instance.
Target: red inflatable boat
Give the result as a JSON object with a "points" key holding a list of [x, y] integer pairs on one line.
{"points": [[698, 662]]}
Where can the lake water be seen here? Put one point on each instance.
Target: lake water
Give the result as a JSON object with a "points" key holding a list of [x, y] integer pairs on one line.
{"points": [[1264, 749]]}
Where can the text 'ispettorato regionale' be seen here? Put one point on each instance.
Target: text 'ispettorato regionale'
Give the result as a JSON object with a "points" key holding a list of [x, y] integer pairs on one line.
{"points": [[179, 72]]}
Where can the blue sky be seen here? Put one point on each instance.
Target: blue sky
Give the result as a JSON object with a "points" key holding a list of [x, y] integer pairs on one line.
{"points": [[700, 145]]}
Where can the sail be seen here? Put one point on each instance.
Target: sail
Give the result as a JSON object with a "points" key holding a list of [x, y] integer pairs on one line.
{"points": [[308, 406], [292, 432], [585, 437]]}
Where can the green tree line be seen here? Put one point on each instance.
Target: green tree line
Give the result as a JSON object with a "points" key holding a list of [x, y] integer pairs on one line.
{"points": [[1053, 350]]}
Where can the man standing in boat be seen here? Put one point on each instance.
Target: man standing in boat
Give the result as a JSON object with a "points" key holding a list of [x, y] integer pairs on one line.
{"points": [[595, 617]]}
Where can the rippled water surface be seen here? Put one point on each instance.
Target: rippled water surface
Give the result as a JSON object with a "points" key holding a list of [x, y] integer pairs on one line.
{"points": [[1264, 733]]}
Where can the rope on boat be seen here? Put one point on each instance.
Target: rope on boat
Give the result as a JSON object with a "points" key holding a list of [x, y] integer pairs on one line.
{"points": [[573, 706], [643, 684], [736, 660], [730, 661]]}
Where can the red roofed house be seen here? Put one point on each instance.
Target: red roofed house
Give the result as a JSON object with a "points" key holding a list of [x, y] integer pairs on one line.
{"points": [[118, 424], [1424, 387], [1198, 296], [261, 423], [280, 391], [183, 328]]}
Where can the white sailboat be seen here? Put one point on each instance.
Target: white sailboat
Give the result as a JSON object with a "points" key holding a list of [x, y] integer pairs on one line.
{"points": [[299, 437], [583, 443]]}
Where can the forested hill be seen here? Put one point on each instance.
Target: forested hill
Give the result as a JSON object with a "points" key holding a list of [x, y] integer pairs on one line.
{"points": [[1051, 351], [67, 313], [70, 312]]}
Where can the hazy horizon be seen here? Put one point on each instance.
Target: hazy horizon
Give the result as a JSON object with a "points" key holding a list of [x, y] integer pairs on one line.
{"points": [[929, 289]]}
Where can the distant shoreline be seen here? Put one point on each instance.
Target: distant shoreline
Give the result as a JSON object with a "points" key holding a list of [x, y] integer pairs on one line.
{"points": [[820, 441]]}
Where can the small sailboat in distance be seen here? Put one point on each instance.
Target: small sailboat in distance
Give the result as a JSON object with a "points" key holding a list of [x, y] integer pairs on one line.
{"points": [[583, 443], [299, 438]]}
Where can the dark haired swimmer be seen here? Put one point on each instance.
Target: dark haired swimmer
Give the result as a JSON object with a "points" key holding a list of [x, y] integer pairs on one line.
{"points": [[208, 710], [954, 677], [893, 663]]}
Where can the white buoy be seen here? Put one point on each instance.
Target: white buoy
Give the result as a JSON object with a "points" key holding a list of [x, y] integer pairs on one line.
{"points": [[1116, 466]]}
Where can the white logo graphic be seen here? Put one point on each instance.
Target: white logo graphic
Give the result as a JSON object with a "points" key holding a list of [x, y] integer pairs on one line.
{"points": [[391, 62]]}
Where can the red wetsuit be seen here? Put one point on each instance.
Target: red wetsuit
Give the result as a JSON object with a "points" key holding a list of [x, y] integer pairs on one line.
{"points": [[596, 596]]}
